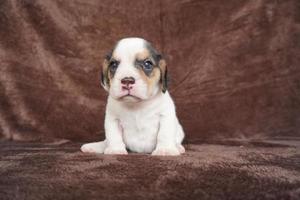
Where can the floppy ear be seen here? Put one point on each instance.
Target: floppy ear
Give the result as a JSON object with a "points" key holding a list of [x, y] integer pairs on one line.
{"points": [[164, 74], [104, 72]]}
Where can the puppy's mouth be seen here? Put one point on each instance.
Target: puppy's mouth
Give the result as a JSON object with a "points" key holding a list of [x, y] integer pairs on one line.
{"points": [[129, 96]]}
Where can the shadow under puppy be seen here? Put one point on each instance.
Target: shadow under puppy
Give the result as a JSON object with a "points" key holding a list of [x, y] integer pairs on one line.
{"points": [[140, 113]]}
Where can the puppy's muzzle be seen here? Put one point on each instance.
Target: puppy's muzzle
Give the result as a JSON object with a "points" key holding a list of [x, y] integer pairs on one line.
{"points": [[127, 83]]}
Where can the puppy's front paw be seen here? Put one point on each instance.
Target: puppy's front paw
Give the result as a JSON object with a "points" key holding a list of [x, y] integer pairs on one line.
{"points": [[119, 151], [95, 147], [166, 151], [181, 148]]}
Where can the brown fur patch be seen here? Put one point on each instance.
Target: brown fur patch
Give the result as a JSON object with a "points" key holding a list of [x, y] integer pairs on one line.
{"points": [[105, 73], [152, 79], [143, 55], [163, 69], [114, 56]]}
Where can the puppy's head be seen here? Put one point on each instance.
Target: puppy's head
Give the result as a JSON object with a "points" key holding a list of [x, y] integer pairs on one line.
{"points": [[134, 71]]}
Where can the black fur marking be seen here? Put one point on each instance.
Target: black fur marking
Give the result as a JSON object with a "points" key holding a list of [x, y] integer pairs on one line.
{"points": [[113, 66], [108, 56], [153, 53]]}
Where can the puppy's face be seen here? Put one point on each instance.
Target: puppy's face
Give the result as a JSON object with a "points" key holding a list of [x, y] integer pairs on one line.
{"points": [[134, 71]]}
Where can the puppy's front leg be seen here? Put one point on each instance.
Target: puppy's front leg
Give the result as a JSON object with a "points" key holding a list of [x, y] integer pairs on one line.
{"points": [[113, 133], [166, 143]]}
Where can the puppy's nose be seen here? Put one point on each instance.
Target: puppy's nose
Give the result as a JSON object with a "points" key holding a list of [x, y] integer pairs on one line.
{"points": [[128, 81]]}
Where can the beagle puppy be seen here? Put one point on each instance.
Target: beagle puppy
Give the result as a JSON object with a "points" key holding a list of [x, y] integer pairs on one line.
{"points": [[140, 113]]}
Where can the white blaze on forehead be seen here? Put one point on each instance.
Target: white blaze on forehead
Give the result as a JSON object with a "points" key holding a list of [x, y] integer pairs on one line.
{"points": [[128, 48]]}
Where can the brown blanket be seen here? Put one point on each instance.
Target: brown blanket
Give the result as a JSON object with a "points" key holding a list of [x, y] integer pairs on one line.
{"points": [[234, 68], [234, 65], [207, 171]]}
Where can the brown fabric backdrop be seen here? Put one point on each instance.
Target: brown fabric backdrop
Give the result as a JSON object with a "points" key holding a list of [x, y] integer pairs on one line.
{"points": [[234, 65]]}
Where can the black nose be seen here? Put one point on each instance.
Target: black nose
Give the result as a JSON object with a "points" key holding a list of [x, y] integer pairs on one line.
{"points": [[128, 81]]}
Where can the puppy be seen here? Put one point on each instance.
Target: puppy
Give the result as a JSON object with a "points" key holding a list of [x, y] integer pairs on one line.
{"points": [[140, 114]]}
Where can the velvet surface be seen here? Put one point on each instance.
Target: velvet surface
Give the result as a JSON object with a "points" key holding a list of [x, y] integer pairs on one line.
{"points": [[234, 65], [234, 69], [207, 171]]}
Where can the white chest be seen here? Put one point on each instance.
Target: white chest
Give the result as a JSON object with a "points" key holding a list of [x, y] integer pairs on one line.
{"points": [[140, 130]]}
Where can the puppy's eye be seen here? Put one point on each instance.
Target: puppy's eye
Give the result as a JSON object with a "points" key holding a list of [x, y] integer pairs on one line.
{"points": [[113, 65], [147, 65]]}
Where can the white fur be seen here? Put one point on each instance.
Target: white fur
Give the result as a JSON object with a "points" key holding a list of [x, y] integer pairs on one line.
{"points": [[146, 123]]}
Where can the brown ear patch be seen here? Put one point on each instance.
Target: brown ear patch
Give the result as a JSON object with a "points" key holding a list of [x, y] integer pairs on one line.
{"points": [[164, 74], [105, 80]]}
